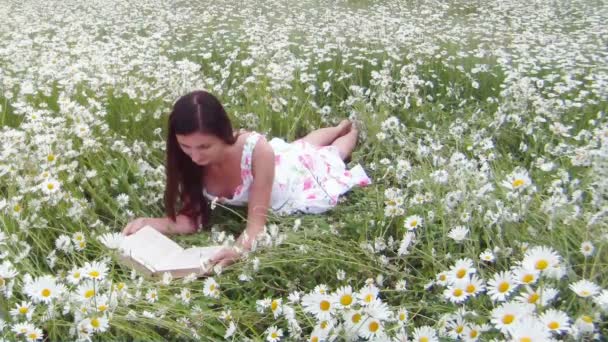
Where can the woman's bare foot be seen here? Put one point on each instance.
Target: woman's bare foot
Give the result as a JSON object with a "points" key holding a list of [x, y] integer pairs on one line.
{"points": [[344, 126]]}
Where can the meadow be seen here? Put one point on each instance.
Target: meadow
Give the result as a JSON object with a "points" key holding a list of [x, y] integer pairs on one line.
{"points": [[483, 127]]}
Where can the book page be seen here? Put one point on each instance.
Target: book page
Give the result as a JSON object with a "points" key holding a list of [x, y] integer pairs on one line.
{"points": [[149, 247], [188, 258]]}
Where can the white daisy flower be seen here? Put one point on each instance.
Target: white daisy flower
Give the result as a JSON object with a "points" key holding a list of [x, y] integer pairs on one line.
{"points": [[587, 249], [111, 240], [368, 294], [474, 285], [95, 270], [372, 330], [33, 334], [273, 334], [97, 323], [211, 288], [44, 289], [556, 321], [24, 309], [152, 295], [501, 286], [525, 276], [529, 329], [86, 291], [461, 269], [424, 334], [458, 233], [50, 186], [541, 297], [353, 320], [508, 314], [585, 288], [413, 222], [540, 258], [344, 297], [402, 316], [487, 256], [585, 324], [74, 276], [321, 306], [602, 300], [456, 291], [378, 310], [185, 295], [63, 243], [277, 307], [518, 180]]}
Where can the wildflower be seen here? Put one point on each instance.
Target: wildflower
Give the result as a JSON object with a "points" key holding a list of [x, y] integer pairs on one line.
{"points": [[152, 295], [63, 243], [98, 323], [424, 334], [456, 291], [540, 258], [86, 291], [585, 288], [276, 307], [517, 181], [211, 288], [111, 240], [344, 297], [587, 249], [541, 297], [25, 310], [320, 305], [500, 286], [413, 222], [274, 334], [50, 186], [96, 270], [402, 316], [43, 289], [474, 285], [525, 276], [458, 233], [461, 269], [509, 314], [122, 200], [74, 276], [372, 330], [368, 294], [530, 329], [230, 330], [33, 334], [584, 324], [602, 300], [556, 321]]}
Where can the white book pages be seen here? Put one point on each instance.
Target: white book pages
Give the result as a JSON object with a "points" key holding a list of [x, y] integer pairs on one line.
{"points": [[188, 258], [149, 247]]}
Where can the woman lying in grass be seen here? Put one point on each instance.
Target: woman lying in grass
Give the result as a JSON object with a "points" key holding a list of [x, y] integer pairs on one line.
{"points": [[207, 161]]}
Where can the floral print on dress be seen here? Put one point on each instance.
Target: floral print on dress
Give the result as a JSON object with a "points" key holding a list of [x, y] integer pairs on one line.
{"points": [[307, 179]]}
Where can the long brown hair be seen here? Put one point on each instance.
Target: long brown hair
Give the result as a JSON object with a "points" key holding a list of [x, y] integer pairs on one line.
{"points": [[198, 111]]}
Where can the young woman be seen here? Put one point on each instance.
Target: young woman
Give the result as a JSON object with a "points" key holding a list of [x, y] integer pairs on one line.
{"points": [[207, 161]]}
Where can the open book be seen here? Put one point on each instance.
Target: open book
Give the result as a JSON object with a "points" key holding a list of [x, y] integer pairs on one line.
{"points": [[152, 253]]}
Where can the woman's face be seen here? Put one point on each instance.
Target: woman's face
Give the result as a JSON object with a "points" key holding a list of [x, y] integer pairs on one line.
{"points": [[203, 149]]}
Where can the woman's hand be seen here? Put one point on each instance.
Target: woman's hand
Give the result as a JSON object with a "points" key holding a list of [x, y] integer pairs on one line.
{"points": [[135, 225], [225, 257]]}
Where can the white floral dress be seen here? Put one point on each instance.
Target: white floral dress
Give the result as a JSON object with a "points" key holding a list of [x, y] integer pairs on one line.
{"points": [[307, 179]]}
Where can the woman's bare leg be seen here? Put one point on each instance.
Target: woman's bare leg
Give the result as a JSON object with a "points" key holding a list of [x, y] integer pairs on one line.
{"points": [[326, 136], [346, 143]]}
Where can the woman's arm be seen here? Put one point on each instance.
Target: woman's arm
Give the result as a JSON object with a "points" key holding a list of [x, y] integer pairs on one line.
{"points": [[183, 225], [259, 193]]}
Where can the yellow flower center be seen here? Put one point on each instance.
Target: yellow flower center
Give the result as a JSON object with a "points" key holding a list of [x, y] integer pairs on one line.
{"points": [[541, 264], [553, 325], [46, 293], [23, 310], [424, 339], [324, 305], [356, 318], [82, 244], [17, 208], [94, 274], [471, 288], [461, 273], [32, 336], [50, 157], [368, 298], [413, 223], [212, 287], [587, 319], [120, 286], [533, 297], [517, 182], [274, 305], [402, 316], [314, 339], [346, 300], [508, 319], [503, 287], [89, 294], [95, 323], [373, 326], [528, 278], [50, 186], [459, 329], [2, 282], [457, 292], [274, 335], [102, 307], [442, 277], [473, 333], [324, 324], [76, 275], [525, 339], [585, 293]]}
